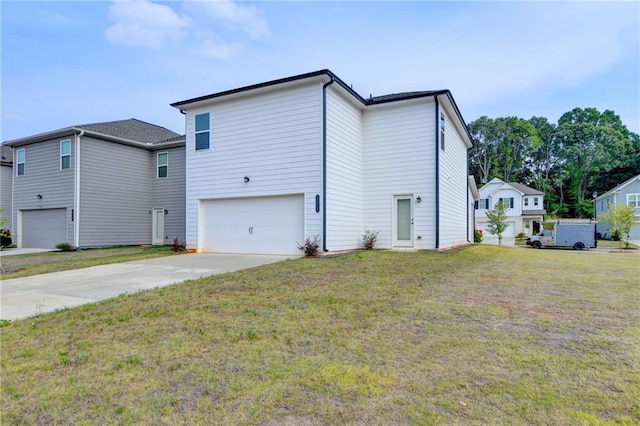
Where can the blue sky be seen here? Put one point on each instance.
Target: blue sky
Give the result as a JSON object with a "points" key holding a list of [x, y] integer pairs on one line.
{"points": [[69, 63]]}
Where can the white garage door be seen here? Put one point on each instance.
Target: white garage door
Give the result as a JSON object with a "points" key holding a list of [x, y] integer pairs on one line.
{"points": [[269, 225], [44, 228], [509, 232]]}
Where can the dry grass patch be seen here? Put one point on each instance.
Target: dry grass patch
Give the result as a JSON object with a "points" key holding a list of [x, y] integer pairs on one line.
{"points": [[485, 335]]}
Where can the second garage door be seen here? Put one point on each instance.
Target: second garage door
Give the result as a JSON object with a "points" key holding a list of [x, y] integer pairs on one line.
{"points": [[44, 228], [264, 225]]}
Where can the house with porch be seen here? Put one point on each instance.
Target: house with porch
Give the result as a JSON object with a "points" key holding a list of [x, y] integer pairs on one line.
{"points": [[524, 204]]}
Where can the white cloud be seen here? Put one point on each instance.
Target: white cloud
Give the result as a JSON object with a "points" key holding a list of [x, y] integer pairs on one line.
{"points": [[13, 117], [216, 49], [143, 23], [247, 17]]}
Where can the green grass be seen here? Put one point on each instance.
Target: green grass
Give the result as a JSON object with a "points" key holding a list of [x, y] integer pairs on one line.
{"points": [[486, 335], [25, 265]]}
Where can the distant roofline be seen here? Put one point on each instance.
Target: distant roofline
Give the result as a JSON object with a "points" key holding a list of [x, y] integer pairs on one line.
{"points": [[618, 187]]}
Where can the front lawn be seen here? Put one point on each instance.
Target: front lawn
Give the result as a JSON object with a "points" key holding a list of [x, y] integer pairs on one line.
{"points": [[486, 335], [25, 265]]}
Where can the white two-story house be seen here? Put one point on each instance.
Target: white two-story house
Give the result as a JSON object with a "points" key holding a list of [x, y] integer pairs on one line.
{"points": [[271, 164], [524, 204]]}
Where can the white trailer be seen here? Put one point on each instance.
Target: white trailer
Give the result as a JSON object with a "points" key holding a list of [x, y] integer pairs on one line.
{"points": [[575, 233]]}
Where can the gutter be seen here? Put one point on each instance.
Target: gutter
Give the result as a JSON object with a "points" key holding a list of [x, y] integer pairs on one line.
{"points": [[437, 183], [324, 162], [76, 208]]}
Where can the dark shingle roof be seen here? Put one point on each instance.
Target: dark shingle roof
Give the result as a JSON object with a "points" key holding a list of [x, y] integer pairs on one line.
{"points": [[527, 190], [132, 129], [6, 154]]}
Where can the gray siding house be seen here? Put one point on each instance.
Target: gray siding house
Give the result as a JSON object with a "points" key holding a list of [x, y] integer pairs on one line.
{"points": [[96, 185], [6, 184], [626, 193]]}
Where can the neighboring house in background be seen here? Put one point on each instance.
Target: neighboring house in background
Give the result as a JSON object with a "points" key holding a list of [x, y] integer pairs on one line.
{"points": [[6, 184], [627, 193], [304, 156], [524, 207], [95, 185]]}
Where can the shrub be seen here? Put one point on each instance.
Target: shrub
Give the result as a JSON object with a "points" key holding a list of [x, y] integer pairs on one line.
{"points": [[310, 246], [177, 246], [369, 239], [5, 237], [616, 235], [65, 247], [477, 236], [521, 235]]}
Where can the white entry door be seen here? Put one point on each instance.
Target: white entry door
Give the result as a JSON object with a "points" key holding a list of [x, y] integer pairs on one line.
{"points": [[158, 226], [403, 221]]}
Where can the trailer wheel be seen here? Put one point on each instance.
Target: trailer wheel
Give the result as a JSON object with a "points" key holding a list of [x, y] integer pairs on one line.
{"points": [[578, 246], [536, 244]]}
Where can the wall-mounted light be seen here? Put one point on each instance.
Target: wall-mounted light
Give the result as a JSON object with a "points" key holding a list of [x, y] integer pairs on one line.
{"points": [[39, 197], [418, 200], [166, 211], [246, 179]]}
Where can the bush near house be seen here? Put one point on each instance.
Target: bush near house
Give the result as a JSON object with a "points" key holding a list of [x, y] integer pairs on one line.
{"points": [[5, 238]]}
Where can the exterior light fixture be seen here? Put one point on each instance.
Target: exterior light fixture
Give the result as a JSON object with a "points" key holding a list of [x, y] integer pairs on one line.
{"points": [[39, 197], [246, 179], [166, 211], [419, 199]]}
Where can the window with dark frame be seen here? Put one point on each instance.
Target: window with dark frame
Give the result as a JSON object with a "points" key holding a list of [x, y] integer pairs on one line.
{"points": [[202, 131], [65, 154]]}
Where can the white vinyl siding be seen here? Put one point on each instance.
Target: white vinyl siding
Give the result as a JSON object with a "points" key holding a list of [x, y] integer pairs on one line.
{"points": [[453, 188], [274, 138], [398, 159], [344, 173]]}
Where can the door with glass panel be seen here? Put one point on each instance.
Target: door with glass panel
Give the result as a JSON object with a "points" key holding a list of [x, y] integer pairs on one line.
{"points": [[403, 221]]}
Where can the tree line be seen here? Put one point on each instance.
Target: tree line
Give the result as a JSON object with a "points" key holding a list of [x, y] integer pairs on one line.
{"points": [[587, 151]]}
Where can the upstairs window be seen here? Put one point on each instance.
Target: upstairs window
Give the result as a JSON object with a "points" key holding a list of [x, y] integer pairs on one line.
{"points": [[20, 160], [202, 131], [442, 126], [163, 165], [526, 201], [65, 154], [535, 201], [483, 203], [633, 200], [507, 202]]}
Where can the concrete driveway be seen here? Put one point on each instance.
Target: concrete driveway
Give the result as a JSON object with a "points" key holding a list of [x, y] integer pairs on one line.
{"points": [[29, 296]]}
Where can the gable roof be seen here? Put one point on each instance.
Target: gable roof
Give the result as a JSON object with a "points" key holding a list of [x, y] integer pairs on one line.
{"points": [[334, 78], [619, 187], [131, 132], [523, 189]]}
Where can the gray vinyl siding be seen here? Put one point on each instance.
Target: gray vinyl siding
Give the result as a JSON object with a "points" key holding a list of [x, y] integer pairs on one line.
{"points": [[169, 193], [116, 194], [619, 197], [344, 173], [6, 185], [43, 177]]}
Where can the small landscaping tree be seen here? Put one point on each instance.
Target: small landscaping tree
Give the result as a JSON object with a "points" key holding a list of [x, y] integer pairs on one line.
{"points": [[620, 219], [497, 220]]}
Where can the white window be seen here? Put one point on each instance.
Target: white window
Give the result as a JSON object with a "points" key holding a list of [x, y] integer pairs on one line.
{"points": [[163, 165], [535, 201], [202, 131], [526, 201], [633, 200], [65, 154], [20, 160]]}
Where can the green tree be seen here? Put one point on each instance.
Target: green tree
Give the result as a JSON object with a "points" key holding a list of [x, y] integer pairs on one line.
{"points": [[497, 220], [620, 218]]}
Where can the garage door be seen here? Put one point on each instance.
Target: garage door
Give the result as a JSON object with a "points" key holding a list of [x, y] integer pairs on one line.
{"points": [[269, 225], [44, 228], [509, 232]]}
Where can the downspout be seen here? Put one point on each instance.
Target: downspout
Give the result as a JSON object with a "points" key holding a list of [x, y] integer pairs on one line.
{"points": [[324, 163], [76, 207], [437, 203]]}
